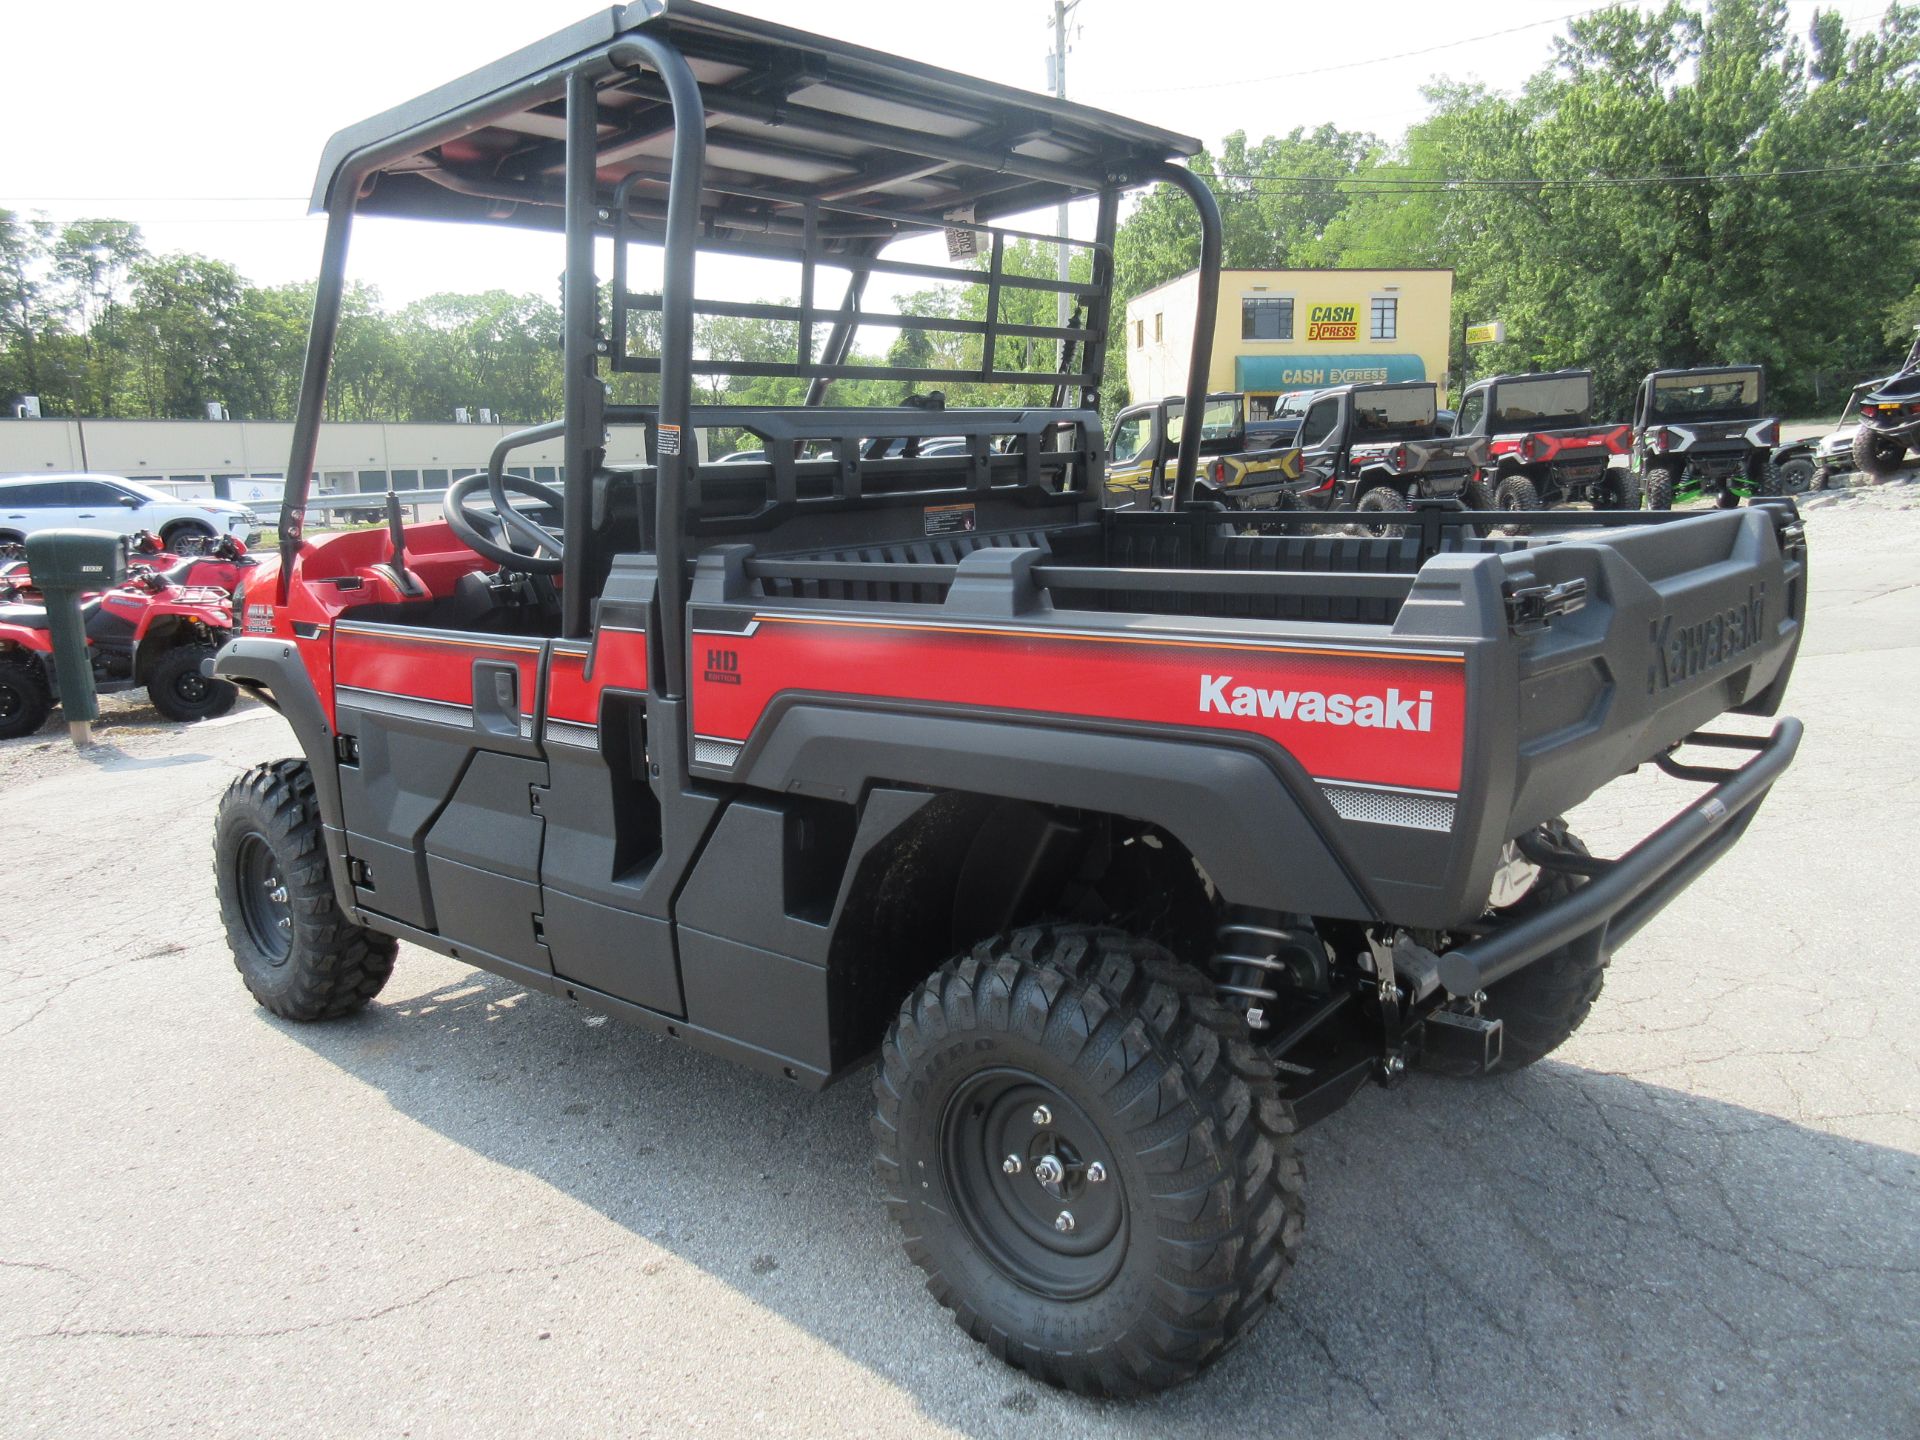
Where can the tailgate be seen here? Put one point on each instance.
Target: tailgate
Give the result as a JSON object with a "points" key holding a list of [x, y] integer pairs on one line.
{"points": [[1683, 621]]}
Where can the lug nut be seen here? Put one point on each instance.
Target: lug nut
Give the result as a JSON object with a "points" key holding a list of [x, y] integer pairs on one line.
{"points": [[1011, 1165], [1047, 1170], [1063, 1222], [1096, 1172], [1042, 1115]]}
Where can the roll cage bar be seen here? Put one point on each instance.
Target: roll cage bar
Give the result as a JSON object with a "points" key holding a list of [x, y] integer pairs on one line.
{"points": [[673, 122]]}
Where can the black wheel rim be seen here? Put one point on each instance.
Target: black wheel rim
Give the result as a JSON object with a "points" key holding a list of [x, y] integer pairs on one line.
{"points": [[1034, 1184], [190, 687], [263, 898], [12, 702]]}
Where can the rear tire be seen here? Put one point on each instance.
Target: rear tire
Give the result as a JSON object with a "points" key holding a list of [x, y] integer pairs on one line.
{"points": [[1516, 492], [1662, 481], [298, 954], [183, 530], [1874, 455], [1382, 499], [25, 698], [1541, 1006], [180, 692], [1178, 1249], [1619, 489]]}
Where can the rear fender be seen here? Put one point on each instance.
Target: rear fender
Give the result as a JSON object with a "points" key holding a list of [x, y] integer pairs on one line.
{"points": [[1263, 838]]}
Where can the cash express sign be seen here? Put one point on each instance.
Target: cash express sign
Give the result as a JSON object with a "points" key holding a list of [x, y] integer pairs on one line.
{"points": [[1333, 322]]}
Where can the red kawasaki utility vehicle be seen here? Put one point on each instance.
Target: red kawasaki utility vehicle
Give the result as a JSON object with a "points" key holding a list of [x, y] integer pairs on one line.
{"points": [[1129, 841], [159, 630]]}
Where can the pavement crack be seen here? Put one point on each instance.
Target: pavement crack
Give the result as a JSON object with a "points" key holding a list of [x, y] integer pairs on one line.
{"points": [[109, 1332]]}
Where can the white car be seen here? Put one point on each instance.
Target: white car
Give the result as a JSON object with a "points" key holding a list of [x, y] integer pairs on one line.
{"points": [[108, 502]]}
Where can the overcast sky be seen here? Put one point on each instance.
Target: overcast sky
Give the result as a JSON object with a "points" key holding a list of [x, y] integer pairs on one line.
{"points": [[203, 120]]}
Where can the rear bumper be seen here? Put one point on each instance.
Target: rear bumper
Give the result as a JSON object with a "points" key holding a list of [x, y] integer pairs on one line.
{"points": [[1624, 894]]}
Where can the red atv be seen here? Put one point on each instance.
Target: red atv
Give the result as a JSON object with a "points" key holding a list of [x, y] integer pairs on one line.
{"points": [[221, 563], [154, 630]]}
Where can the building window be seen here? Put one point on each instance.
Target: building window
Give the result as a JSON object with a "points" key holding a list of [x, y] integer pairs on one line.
{"points": [[1266, 318], [1158, 333], [372, 482], [1139, 334], [435, 479], [1386, 318]]}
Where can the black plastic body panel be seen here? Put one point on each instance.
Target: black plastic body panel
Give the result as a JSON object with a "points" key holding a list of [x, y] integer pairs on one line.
{"points": [[1228, 804]]}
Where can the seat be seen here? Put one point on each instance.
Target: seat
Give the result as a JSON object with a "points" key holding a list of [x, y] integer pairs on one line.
{"points": [[27, 617]]}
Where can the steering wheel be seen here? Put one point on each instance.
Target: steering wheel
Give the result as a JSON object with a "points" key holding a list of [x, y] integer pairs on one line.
{"points": [[505, 522]]}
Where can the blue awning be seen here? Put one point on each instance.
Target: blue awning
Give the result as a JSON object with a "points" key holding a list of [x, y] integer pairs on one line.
{"points": [[1280, 373]]}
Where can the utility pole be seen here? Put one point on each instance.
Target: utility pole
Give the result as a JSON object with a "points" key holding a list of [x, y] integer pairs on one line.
{"points": [[1057, 65]]}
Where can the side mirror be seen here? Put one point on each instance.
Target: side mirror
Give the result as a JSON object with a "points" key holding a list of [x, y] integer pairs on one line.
{"points": [[132, 502]]}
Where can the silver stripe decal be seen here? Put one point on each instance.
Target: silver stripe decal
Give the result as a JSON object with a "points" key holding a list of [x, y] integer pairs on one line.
{"points": [[412, 707], [1390, 789], [1048, 632], [572, 732], [1389, 807], [709, 751], [372, 631]]}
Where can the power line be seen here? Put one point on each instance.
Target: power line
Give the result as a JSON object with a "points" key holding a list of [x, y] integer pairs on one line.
{"points": [[1360, 64], [157, 200], [1415, 183]]}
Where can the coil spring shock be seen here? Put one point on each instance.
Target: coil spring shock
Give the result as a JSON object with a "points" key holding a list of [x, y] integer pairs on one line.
{"points": [[1253, 950]]}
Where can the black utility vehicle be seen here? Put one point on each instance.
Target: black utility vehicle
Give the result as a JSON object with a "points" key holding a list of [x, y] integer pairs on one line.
{"points": [[1378, 448], [1542, 447], [1130, 841], [1234, 471], [1702, 432]]}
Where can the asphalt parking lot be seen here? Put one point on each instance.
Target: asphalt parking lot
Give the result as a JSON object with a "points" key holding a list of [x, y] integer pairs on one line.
{"points": [[473, 1210]]}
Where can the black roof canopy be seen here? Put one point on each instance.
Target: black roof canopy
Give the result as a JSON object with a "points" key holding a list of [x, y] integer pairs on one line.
{"points": [[791, 118]]}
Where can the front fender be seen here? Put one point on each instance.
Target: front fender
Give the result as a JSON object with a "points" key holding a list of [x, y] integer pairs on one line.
{"points": [[271, 670]]}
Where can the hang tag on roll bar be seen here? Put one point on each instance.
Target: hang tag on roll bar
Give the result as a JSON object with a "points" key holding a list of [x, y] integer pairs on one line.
{"points": [[963, 241]]}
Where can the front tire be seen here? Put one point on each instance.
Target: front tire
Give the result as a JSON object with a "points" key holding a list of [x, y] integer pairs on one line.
{"points": [[297, 953], [1079, 1047], [25, 698], [1791, 477], [180, 692], [1874, 455]]}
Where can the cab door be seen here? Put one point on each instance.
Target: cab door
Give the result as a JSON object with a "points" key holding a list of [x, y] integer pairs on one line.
{"points": [[1132, 451], [1322, 445], [606, 893], [441, 777]]}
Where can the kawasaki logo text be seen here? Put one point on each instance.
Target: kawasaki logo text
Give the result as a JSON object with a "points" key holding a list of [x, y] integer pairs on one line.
{"points": [[1682, 651], [1391, 711]]}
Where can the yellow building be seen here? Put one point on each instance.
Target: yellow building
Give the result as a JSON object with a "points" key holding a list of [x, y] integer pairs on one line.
{"points": [[1284, 330]]}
